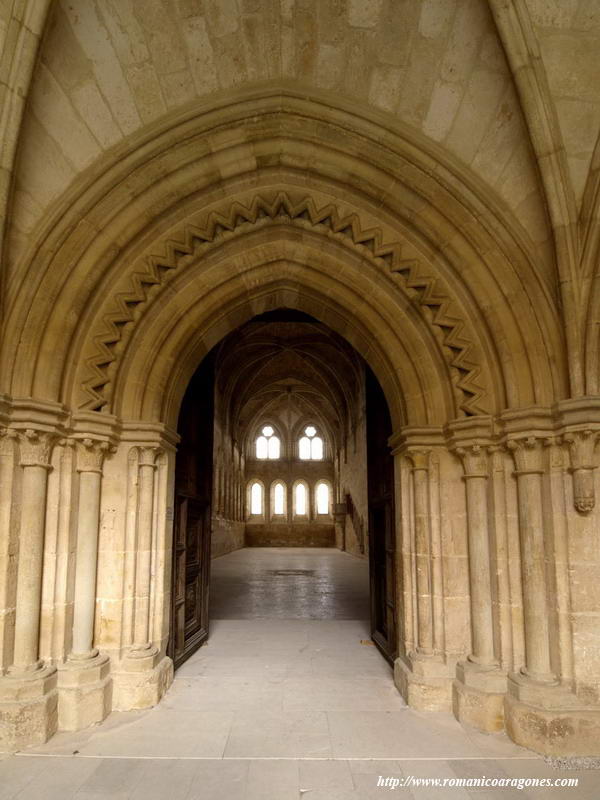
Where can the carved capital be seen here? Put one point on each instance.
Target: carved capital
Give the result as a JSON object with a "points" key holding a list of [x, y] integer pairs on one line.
{"points": [[581, 446], [148, 456], [527, 453], [584, 498], [91, 454], [35, 448], [8, 438], [474, 459], [419, 459]]}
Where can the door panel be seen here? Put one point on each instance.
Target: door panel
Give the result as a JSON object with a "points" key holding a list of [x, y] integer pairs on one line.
{"points": [[382, 556], [193, 493], [191, 577]]}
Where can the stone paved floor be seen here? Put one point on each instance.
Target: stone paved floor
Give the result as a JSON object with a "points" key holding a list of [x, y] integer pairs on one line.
{"points": [[279, 707]]}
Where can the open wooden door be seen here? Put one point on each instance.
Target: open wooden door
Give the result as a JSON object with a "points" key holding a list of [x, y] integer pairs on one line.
{"points": [[380, 466], [192, 518]]}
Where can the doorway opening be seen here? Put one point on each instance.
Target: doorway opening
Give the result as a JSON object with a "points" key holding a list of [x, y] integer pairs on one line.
{"points": [[283, 458]]}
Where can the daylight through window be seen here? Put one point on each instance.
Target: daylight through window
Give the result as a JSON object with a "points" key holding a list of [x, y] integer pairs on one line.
{"points": [[300, 504], [256, 498], [310, 446], [322, 496], [268, 444], [279, 499]]}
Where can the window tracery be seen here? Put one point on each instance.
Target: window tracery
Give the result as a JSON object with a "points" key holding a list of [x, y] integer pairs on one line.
{"points": [[268, 444], [310, 445]]}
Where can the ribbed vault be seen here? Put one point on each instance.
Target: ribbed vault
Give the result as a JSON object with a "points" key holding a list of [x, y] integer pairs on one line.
{"points": [[287, 366]]}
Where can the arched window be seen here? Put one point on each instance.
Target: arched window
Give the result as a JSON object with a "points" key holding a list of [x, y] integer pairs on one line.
{"points": [[278, 499], [256, 498], [301, 500], [322, 496], [268, 444], [310, 446]]}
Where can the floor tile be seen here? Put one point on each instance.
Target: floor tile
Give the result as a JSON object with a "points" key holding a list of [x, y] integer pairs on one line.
{"points": [[282, 689], [112, 777], [219, 780], [291, 735], [17, 772], [272, 780]]}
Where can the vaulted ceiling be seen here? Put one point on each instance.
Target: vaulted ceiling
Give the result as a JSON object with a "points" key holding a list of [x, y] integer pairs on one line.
{"points": [[287, 368], [505, 93], [85, 75], [108, 68]]}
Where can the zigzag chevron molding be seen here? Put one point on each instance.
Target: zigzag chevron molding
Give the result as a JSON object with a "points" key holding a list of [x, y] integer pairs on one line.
{"points": [[427, 291]]}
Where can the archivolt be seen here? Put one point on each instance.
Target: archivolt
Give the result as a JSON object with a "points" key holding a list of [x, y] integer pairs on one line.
{"points": [[428, 292], [207, 302], [479, 284]]}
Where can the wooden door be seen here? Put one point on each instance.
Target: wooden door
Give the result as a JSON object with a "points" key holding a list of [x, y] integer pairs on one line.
{"points": [[382, 555], [192, 517], [191, 577]]}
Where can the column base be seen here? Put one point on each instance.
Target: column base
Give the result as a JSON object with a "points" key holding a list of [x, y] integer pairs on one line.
{"points": [[478, 696], [84, 692], [550, 719], [140, 682], [28, 708], [424, 682]]}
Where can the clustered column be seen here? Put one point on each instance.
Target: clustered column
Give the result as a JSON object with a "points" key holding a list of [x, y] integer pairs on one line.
{"points": [[28, 696], [474, 459], [480, 685], [35, 461], [528, 455], [84, 679], [142, 646], [90, 456], [420, 465]]}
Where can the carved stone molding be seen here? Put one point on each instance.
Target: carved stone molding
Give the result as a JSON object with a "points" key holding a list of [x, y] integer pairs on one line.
{"points": [[419, 458], [91, 454], [35, 448], [581, 446], [8, 437], [475, 460], [457, 342], [528, 454], [496, 453], [148, 456]]}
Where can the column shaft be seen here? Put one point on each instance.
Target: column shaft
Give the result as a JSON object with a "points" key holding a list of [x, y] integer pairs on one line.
{"points": [[479, 570], [422, 555], [535, 612], [29, 572], [88, 520], [144, 550]]}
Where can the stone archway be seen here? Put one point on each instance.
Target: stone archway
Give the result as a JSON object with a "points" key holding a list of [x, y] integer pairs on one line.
{"points": [[169, 244]]}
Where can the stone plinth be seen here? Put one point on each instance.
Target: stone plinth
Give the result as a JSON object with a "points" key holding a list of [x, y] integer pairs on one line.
{"points": [[478, 696], [550, 720], [28, 708], [141, 681], [424, 682], [85, 692]]}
